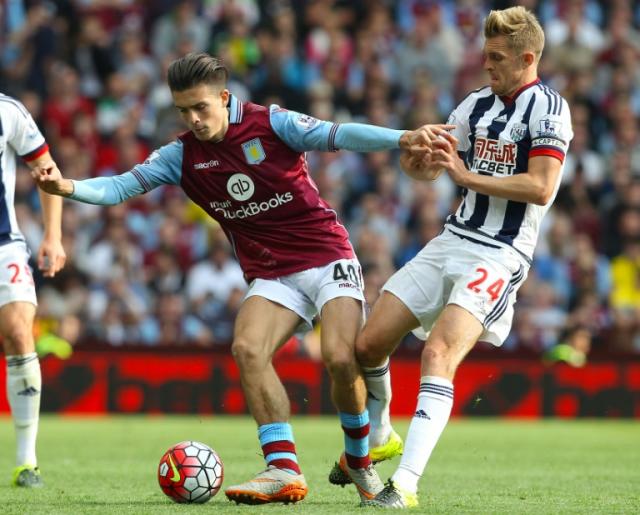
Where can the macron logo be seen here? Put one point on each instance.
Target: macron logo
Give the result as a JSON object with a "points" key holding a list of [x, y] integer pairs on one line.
{"points": [[422, 414], [29, 392], [207, 165]]}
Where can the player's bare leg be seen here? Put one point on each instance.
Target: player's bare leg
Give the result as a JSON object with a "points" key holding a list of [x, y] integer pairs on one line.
{"points": [[454, 334], [261, 328], [341, 322], [388, 323], [373, 346], [24, 384]]}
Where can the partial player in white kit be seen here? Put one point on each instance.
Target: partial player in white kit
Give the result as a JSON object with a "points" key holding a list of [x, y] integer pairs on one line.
{"points": [[507, 152], [20, 137]]}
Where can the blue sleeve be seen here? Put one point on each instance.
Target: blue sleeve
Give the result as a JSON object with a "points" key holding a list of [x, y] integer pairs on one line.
{"points": [[163, 166], [302, 132]]}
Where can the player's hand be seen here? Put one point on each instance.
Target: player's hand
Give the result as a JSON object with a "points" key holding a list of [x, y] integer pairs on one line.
{"points": [[51, 256], [49, 179], [421, 139], [445, 156], [419, 166]]}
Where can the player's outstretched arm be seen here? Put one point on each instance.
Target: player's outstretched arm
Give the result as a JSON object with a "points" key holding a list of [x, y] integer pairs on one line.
{"points": [[104, 191], [163, 166], [49, 178], [304, 133], [360, 137], [420, 141]]}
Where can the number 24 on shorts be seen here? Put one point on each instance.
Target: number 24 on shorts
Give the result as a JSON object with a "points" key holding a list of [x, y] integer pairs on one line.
{"points": [[477, 285], [20, 274]]}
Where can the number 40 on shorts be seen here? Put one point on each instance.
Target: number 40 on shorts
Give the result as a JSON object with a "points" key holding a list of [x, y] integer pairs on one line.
{"points": [[348, 272]]}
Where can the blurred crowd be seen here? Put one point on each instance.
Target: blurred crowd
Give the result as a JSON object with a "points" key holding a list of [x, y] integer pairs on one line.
{"points": [[156, 271]]}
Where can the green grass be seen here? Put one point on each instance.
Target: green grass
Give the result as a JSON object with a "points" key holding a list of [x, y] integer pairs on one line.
{"points": [[108, 465]]}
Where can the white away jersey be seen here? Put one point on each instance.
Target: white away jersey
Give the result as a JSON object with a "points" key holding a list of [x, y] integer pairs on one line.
{"points": [[19, 136], [497, 136]]}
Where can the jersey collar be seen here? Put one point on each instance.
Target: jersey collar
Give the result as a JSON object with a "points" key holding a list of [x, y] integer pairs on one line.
{"points": [[509, 99], [235, 110]]}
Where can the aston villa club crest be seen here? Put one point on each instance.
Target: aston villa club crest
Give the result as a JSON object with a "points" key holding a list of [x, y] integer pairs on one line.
{"points": [[253, 151], [518, 131]]}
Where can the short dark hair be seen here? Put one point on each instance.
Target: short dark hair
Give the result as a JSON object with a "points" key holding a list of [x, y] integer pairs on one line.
{"points": [[194, 69]]}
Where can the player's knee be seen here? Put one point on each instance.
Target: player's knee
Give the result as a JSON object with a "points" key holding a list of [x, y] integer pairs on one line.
{"points": [[435, 351], [438, 357], [367, 353], [18, 339], [341, 365], [248, 352]]}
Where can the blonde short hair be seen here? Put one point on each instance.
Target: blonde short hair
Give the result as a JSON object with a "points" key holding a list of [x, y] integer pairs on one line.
{"points": [[520, 26]]}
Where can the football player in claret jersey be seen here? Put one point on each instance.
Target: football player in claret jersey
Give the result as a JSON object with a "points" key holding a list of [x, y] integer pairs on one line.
{"points": [[19, 136], [245, 165], [506, 152]]}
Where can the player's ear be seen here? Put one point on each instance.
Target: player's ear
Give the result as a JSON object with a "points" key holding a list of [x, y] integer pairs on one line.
{"points": [[224, 95], [528, 58]]}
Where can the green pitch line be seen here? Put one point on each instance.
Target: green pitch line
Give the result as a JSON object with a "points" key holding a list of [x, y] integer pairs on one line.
{"points": [[108, 465]]}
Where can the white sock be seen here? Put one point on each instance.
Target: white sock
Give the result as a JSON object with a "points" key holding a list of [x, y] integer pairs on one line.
{"points": [[432, 414], [24, 383], [378, 381]]}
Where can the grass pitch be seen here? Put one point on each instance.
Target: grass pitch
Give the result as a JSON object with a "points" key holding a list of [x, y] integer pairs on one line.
{"points": [[108, 465]]}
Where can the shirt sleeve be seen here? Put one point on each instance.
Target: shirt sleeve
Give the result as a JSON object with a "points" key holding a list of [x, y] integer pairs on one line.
{"points": [[22, 132], [302, 132], [550, 126], [163, 166]]}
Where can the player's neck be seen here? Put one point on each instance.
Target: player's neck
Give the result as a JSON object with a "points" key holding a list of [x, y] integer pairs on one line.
{"points": [[219, 136], [527, 80]]}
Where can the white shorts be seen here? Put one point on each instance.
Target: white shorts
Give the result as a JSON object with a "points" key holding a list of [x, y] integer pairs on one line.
{"points": [[306, 292], [16, 280], [454, 270]]}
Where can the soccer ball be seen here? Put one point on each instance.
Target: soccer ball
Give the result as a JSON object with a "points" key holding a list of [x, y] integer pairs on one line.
{"points": [[190, 472]]}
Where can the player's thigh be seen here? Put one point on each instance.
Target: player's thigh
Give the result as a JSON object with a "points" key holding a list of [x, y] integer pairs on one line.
{"points": [[17, 299], [337, 292], [341, 279], [389, 321], [342, 319], [485, 285], [16, 280], [422, 285], [262, 326]]}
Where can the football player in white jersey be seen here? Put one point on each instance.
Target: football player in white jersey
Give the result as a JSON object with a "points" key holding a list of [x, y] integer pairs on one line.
{"points": [[20, 137], [507, 154]]}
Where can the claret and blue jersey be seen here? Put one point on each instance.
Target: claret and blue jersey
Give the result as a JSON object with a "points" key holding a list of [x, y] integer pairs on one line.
{"points": [[497, 136], [256, 184]]}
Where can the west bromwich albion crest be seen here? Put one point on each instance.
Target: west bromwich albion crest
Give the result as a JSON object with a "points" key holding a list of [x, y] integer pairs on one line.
{"points": [[253, 151], [518, 131]]}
